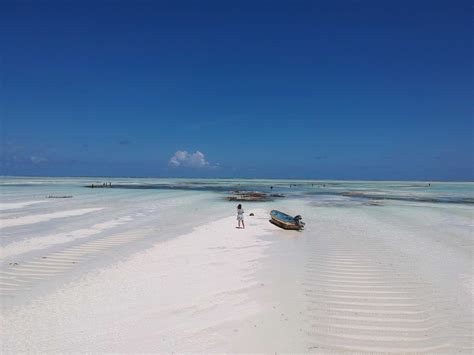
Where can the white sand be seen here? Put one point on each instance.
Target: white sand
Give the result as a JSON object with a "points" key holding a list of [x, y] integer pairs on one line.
{"points": [[25, 220], [350, 282], [163, 299]]}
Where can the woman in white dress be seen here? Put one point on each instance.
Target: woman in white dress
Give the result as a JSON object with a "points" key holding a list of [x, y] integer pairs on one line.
{"points": [[240, 216]]}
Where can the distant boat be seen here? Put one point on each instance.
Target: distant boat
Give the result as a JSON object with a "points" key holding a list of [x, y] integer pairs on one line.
{"points": [[285, 221]]}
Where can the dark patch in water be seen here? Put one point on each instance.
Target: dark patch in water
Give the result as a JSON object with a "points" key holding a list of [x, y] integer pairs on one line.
{"points": [[381, 196], [167, 187], [356, 194], [347, 203], [438, 199], [186, 186], [420, 186]]}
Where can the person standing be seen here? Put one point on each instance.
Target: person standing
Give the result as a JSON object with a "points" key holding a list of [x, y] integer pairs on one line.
{"points": [[240, 216]]}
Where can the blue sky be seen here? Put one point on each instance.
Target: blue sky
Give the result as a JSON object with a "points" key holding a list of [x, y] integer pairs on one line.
{"points": [[297, 89]]}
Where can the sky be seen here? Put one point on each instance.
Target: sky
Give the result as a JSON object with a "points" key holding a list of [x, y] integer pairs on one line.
{"points": [[257, 89]]}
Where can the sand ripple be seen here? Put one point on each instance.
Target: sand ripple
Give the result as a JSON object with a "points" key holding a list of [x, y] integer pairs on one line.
{"points": [[360, 301]]}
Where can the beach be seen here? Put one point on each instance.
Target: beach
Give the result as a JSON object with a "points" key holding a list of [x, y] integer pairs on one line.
{"points": [[158, 265]]}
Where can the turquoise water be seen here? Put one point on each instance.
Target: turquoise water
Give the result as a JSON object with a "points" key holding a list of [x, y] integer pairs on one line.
{"points": [[435, 192]]}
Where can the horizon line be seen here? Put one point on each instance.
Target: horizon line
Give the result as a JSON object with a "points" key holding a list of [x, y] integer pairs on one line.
{"points": [[228, 178]]}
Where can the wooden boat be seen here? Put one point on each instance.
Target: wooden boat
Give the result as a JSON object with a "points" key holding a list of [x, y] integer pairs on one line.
{"points": [[285, 221]]}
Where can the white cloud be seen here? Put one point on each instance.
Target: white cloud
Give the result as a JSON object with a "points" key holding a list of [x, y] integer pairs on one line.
{"points": [[189, 160]]}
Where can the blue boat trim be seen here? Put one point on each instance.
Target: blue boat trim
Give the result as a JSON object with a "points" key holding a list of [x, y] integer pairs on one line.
{"points": [[282, 216]]}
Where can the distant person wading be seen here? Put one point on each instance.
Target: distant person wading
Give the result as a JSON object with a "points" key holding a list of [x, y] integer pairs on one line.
{"points": [[240, 216]]}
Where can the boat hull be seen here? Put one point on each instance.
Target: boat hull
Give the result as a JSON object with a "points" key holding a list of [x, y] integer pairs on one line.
{"points": [[284, 225], [284, 221]]}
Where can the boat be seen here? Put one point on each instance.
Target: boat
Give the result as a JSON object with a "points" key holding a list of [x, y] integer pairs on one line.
{"points": [[285, 221]]}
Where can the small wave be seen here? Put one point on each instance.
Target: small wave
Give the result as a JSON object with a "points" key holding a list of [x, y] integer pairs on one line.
{"points": [[17, 205], [43, 242], [21, 221]]}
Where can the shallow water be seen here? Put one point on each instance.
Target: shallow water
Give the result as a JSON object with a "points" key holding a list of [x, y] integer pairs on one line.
{"points": [[454, 192], [33, 224]]}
